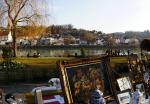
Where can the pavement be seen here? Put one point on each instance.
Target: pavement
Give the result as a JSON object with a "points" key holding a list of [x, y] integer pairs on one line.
{"points": [[18, 90]]}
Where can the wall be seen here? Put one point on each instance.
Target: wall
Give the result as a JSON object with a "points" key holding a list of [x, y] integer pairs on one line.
{"points": [[27, 75]]}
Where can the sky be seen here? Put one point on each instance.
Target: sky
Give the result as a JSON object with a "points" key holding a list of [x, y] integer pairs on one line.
{"points": [[102, 15]]}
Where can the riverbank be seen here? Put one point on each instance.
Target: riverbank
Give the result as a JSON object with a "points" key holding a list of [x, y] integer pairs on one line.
{"points": [[36, 70], [36, 74], [68, 51]]}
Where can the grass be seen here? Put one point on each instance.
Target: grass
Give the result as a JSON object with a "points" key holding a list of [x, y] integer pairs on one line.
{"points": [[41, 62], [118, 59], [51, 61], [37, 61]]}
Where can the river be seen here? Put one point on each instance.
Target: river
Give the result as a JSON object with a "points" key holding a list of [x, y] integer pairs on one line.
{"points": [[60, 52]]}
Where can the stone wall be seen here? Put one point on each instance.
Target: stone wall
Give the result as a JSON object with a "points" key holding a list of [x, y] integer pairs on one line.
{"points": [[27, 75]]}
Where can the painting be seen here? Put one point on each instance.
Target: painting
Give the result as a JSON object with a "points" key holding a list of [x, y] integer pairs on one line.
{"points": [[124, 83], [124, 97], [82, 78]]}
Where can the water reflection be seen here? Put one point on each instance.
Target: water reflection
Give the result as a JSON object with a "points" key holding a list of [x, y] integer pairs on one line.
{"points": [[65, 52], [59, 52]]}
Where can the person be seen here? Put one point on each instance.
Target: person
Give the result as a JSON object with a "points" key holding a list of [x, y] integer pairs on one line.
{"points": [[34, 55], [128, 51], [38, 54], [148, 90], [146, 77], [97, 97], [136, 97], [1, 96], [28, 55]]}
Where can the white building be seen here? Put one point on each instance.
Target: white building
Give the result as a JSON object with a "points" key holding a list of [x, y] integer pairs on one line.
{"points": [[117, 41], [6, 39], [99, 42], [126, 41]]}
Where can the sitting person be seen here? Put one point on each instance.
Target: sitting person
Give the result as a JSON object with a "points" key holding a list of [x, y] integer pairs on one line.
{"points": [[36, 54]]}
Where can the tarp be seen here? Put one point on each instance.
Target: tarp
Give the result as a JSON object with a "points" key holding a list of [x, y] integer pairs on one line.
{"points": [[145, 45]]}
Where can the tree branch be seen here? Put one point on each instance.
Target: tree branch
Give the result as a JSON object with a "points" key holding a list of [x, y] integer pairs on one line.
{"points": [[3, 12], [9, 10], [23, 4], [26, 18]]}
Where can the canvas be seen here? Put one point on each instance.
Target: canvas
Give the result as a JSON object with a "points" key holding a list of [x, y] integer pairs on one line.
{"points": [[81, 78]]}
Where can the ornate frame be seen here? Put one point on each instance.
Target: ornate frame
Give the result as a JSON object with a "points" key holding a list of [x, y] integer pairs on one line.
{"points": [[85, 67]]}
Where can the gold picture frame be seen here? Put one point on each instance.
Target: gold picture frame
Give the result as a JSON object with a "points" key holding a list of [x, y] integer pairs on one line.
{"points": [[80, 76]]}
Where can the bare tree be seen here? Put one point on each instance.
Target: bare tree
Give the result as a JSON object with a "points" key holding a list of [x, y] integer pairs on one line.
{"points": [[69, 39], [89, 37], [19, 12]]}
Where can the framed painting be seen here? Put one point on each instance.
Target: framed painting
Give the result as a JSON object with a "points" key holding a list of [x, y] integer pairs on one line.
{"points": [[80, 77], [124, 97], [124, 83]]}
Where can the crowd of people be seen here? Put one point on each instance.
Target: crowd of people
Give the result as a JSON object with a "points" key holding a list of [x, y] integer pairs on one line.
{"points": [[117, 52], [35, 54]]}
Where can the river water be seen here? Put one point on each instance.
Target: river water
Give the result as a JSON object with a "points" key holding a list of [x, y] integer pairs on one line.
{"points": [[66, 52]]}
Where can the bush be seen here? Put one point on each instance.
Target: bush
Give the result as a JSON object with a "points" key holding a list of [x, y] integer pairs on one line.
{"points": [[9, 65], [7, 53]]}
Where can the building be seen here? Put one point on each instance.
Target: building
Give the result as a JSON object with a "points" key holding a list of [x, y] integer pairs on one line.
{"points": [[4, 39]]}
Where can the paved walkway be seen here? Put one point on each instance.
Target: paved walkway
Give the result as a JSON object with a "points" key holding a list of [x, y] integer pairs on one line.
{"points": [[20, 88]]}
